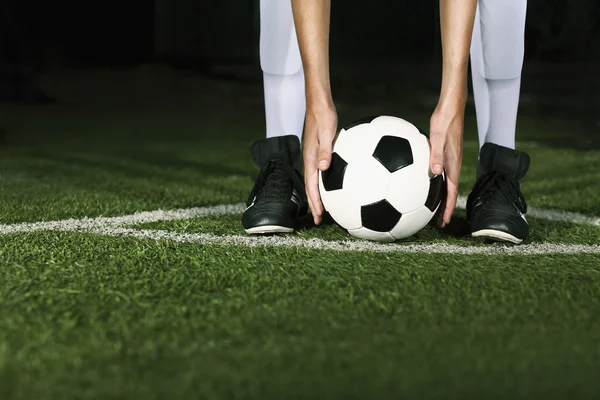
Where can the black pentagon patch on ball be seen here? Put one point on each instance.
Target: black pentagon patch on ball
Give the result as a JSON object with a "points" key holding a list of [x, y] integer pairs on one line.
{"points": [[380, 216], [365, 120], [394, 153], [437, 190], [333, 177]]}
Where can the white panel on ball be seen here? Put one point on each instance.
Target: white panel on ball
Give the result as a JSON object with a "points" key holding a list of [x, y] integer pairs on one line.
{"points": [[412, 223], [408, 189], [367, 234], [421, 152], [342, 209], [357, 142], [366, 181], [390, 125]]}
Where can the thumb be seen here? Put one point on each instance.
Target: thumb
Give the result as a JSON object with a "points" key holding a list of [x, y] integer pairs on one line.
{"points": [[324, 154], [436, 162]]}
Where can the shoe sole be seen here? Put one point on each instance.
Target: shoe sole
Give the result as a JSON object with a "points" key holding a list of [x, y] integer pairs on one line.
{"points": [[496, 236], [266, 229]]}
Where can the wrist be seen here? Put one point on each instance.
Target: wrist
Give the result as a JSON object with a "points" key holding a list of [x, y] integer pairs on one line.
{"points": [[453, 94], [452, 101], [319, 97], [454, 90]]}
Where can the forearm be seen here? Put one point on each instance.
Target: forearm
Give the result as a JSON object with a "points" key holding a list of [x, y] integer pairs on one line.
{"points": [[456, 22], [312, 18]]}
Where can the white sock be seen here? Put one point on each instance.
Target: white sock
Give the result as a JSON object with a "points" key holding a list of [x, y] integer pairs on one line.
{"points": [[481, 94], [496, 105], [283, 78], [497, 51], [504, 105], [285, 104]]}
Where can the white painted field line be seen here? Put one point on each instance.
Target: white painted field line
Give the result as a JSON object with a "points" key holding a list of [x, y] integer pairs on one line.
{"points": [[132, 219], [349, 245], [117, 226], [548, 214], [231, 209]]}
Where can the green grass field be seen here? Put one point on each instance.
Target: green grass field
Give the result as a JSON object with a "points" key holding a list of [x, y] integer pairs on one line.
{"points": [[100, 312]]}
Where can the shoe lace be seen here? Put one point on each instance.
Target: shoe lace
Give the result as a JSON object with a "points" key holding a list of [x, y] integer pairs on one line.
{"points": [[499, 187], [275, 181]]}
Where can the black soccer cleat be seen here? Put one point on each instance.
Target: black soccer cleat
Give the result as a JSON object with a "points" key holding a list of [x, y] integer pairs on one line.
{"points": [[496, 207], [278, 197]]}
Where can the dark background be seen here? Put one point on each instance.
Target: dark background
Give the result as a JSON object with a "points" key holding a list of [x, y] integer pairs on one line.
{"points": [[387, 41], [226, 30]]}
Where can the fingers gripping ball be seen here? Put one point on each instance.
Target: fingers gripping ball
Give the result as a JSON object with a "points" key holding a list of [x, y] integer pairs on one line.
{"points": [[379, 186]]}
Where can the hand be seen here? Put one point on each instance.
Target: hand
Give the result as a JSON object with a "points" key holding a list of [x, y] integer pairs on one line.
{"points": [[446, 137], [319, 134]]}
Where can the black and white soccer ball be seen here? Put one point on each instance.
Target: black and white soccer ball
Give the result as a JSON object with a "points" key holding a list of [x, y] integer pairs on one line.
{"points": [[379, 185]]}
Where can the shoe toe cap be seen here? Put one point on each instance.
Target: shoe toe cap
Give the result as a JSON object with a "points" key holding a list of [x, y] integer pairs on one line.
{"points": [[512, 225], [260, 218]]}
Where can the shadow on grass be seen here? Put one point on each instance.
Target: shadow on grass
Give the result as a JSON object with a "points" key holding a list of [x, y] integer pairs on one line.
{"points": [[307, 222], [458, 228]]}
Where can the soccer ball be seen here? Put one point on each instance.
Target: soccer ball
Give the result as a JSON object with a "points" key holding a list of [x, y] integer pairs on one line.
{"points": [[379, 185]]}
